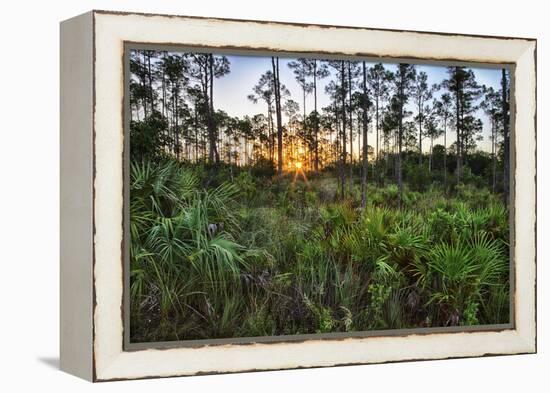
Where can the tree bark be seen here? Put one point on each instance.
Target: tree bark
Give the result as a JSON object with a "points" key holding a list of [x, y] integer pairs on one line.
{"points": [[445, 153], [344, 150], [150, 77], [277, 88], [164, 87], [431, 154], [142, 79], [505, 128], [420, 118], [377, 136], [176, 130], [350, 131], [458, 136], [316, 117], [494, 154], [196, 132], [365, 141], [400, 142], [270, 140], [213, 155]]}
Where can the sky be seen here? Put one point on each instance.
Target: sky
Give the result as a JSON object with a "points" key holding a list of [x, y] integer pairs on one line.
{"points": [[230, 91]]}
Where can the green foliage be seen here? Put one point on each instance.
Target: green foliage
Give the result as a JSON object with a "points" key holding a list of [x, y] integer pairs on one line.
{"points": [[148, 137], [225, 245], [239, 255], [246, 185], [418, 177], [459, 274], [263, 168], [379, 295], [183, 245]]}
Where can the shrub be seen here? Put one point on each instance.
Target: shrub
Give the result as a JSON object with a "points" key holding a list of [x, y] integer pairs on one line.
{"points": [[218, 251], [263, 168]]}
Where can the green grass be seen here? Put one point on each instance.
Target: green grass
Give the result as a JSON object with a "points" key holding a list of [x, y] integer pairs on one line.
{"points": [[211, 258]]}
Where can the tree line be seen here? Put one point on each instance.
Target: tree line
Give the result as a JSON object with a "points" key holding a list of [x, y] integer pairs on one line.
{"points": [[173, 112]]}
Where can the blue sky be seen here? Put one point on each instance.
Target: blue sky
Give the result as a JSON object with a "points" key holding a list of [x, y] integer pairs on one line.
{"points": [[230, 91]]}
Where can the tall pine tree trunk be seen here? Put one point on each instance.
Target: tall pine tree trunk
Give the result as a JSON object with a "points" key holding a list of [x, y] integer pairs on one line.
{"points": [[206, 105], [316, 117], [359, 132], [164, 87], [350, 131], [176, 129], [506, 132], [150, 77], [494, 154], [445, 153], [377, 139], [420, 118], [365, 141], [270, 133], [209, 76], [277, 88], [344, 150], [144, 87], [400, 144], [458, 136], [431, 154], [196, 123]]}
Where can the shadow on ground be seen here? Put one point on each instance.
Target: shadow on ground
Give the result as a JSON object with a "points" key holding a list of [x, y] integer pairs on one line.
{"points": [[52, 362]]}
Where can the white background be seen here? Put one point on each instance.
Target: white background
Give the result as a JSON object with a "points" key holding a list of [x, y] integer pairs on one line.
{"points": [[29, 196]]}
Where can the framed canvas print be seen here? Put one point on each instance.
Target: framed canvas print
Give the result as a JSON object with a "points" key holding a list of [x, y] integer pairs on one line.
{"points": [[245, 195]]}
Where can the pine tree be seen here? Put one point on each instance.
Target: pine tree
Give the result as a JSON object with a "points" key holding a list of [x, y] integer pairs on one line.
{"points": [[377, 78], [492, 106], [340, 91], [505, 91], [264, 91], [205, 69], [422, 93], [462, 85], [443, 109], [365, 108], [352, 72], [278, 112], [402, 81]]}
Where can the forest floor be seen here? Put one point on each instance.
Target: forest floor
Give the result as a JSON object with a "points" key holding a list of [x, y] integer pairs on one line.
{"points": [[244, 255]]}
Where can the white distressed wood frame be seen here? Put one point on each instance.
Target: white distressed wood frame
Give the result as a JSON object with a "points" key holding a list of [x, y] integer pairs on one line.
{"points": [[92, 48]]}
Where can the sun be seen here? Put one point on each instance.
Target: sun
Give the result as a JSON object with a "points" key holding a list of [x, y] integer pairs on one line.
{"points": [[298, 165]]}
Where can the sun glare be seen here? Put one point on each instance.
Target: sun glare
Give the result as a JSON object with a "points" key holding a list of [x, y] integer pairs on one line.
{"points": [[298, 165]]}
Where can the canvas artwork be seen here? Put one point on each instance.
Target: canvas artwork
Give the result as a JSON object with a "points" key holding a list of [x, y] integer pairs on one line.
{"points": [[243, 195], [277, 196]]}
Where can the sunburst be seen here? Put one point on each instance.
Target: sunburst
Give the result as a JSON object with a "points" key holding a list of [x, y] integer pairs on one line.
{"points": [[298, 171]]}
